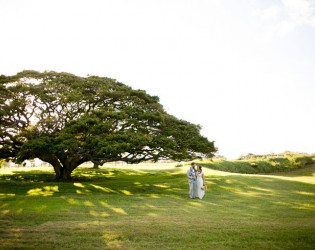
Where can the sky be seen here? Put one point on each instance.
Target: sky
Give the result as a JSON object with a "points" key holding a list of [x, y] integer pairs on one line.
{"points": [[243, 70]]}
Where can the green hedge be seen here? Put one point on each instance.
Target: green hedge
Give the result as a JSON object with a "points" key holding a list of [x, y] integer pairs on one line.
{"points": [[261, 165]]}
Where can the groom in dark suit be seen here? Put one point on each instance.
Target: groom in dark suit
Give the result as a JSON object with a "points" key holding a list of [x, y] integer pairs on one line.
{"points": [[192, 180]]}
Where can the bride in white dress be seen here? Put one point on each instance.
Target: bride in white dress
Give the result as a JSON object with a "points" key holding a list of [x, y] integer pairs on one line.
{"points": [[201, 185]]}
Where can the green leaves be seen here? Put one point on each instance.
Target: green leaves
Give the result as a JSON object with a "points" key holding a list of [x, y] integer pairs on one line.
{"points": [[74, 119]]}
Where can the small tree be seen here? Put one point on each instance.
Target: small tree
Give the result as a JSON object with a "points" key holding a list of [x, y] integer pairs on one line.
{"points": [[66, 120]]}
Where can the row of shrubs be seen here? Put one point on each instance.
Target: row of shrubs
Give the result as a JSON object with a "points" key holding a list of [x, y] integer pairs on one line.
{"points": [[262, 164]]}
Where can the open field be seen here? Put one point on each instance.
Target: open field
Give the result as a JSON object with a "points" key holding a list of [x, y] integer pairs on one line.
{"points": [[147, 207]]}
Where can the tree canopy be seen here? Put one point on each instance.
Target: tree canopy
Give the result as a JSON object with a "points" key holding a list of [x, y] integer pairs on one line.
{"points": [[66, 120]]}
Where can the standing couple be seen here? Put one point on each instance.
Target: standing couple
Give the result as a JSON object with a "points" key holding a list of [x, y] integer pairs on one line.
{"points": [[196, 179]]}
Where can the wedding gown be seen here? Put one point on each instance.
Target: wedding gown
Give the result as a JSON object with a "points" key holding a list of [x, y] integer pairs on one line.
{"points": [[200, 192]]}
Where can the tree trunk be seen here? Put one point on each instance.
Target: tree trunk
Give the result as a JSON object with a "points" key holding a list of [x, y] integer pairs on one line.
{"points": [[96, 164], [68, 166], [65, 174], [60, 170], [63, 168]]}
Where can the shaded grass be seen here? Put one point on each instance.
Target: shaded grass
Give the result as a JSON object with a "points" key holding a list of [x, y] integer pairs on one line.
{"points": [[141, 209]]}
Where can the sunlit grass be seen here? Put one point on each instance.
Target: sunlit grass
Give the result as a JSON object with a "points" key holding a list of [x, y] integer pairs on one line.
{"points": [[134, 207], [44, 191], [260, 165]]}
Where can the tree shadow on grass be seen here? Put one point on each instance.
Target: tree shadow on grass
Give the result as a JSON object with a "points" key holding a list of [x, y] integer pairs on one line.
{"points": [[33, 189], [98, 210]]}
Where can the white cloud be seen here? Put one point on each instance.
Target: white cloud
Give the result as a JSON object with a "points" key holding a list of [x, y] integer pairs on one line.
{"points": [[267, 14], [285, 17]]}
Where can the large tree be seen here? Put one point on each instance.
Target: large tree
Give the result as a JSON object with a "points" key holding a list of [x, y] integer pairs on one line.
{"points": [[66, 120]]}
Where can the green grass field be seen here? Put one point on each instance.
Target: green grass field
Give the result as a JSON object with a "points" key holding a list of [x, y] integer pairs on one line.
{"points": [[149, 208]]}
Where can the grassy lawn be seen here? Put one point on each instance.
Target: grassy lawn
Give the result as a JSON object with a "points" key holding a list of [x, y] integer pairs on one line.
{"points": [[149, 208]]}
